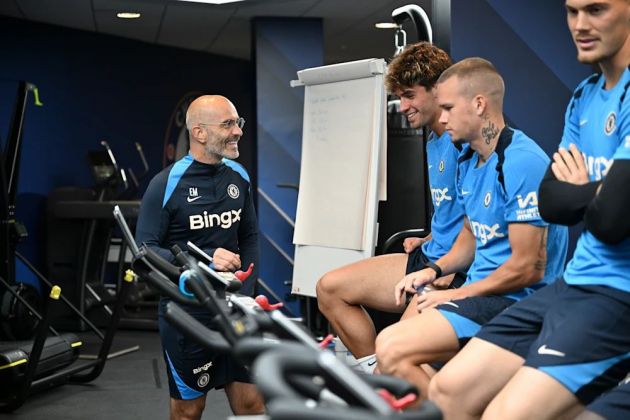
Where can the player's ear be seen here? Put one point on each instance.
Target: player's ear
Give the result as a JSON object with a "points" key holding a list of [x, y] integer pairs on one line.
{"points": [[200, 134], [480, 104]]}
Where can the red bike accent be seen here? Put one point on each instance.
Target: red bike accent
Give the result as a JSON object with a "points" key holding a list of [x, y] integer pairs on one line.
{"points": [[326, 341], [263, 302], [242, 275], [399, 404]]}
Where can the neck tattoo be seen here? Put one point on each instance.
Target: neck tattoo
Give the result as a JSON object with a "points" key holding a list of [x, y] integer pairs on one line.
{"points": [[489, 132]]}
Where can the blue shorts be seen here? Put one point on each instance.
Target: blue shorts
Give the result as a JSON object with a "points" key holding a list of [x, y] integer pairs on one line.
{"points": [[579, 335], [615, 404], [192, 369], [467, 315], [416, 261]]}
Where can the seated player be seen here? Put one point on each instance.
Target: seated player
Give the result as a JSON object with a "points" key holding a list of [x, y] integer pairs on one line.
{"points": [[512, 250], [344, 292]]}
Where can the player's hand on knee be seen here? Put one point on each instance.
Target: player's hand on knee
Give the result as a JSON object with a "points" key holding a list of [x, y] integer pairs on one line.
{"points": [[409, 244], [568, 166], [225, 260]]}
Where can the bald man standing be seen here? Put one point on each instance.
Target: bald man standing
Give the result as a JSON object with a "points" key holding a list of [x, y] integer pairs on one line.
{"points": [[206, 198]]}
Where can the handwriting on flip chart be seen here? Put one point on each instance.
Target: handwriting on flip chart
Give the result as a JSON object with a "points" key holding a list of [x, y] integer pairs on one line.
{"points": [[323, 115]]}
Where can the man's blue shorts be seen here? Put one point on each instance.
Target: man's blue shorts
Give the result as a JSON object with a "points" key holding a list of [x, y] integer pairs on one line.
{"points": [[579, 335], [192, 369], [468, 315]]}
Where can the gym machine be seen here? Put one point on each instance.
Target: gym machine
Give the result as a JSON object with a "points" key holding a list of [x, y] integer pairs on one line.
{"points": [[93, 258], [32, 365], [295, 375]]}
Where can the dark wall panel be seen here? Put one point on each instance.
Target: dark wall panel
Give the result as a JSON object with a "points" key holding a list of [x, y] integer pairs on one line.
{"points": [[282, 47]]}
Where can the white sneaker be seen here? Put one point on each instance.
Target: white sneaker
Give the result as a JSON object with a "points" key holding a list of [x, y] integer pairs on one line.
{"points": [[366, 364]]}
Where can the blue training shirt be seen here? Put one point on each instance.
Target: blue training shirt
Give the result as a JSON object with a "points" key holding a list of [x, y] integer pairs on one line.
{"points": [[210, 205], [504, 190], [597, 121], [448, 212]]}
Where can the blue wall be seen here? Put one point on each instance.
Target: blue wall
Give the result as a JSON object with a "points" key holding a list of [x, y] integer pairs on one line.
{"points": [[98, 87], [530, 44], [282, 47]]}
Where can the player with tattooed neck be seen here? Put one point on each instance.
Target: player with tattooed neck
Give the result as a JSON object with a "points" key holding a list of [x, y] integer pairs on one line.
{"points": [[551, 355], [512, 251]]}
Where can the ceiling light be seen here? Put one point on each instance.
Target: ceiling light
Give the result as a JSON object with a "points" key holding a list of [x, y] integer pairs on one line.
{"points": [[386, 25], [128, 15], [212, 1]]}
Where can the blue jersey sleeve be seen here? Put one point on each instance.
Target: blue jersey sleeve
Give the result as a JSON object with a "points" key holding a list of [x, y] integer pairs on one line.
{"points": [[523, 173], [623, 127], [571, 132], [247, 231], [248, 244], [153, 219]]}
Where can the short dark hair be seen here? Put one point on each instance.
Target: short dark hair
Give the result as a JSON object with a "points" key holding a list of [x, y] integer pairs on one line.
{"points": [[418, 64], [478, 76]]}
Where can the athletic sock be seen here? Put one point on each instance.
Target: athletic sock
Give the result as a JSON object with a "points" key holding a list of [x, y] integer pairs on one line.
{"points": [[367, 363]]}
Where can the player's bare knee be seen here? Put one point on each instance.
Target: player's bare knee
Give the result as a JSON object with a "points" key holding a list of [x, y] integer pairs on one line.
{"points": [[188, 409], [327, 289], [250, 405], [388, 352], [439, 390]]}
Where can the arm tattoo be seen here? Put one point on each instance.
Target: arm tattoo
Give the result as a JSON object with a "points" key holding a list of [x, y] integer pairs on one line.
{"points": [[489, 132], [541, 262]]}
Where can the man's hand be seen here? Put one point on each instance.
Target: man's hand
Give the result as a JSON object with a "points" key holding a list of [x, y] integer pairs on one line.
{"points": [[409, 283], [444, 281], [435, 297], [225, 260], [409, 244], [568, 166]]}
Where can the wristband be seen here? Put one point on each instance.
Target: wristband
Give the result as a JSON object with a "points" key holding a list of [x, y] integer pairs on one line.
{"points": [[433, 266]]}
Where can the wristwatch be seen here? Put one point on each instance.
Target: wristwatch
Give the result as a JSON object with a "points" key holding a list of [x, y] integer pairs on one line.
{"points": [[434, 267]]}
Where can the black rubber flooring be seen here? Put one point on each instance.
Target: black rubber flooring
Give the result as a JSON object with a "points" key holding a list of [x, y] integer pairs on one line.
{"points": [[133, 386]]}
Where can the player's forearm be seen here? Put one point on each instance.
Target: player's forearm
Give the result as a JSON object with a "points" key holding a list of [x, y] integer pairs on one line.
{"points": [[461, 254], [564, 203], [515, 274], [606, 216]]}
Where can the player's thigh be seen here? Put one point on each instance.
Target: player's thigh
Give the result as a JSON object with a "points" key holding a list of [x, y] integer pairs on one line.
{"points": [[411, 309], [369, 282], [419, 339], [546, 398], [477, 373]]}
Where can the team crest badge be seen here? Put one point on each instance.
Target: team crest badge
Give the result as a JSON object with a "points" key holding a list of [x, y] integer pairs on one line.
{"points": [[233, 191], [203, 380], [611, 123], [487, 198], [441, 166]]}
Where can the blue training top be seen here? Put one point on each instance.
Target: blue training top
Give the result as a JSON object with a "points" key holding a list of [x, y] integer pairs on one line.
{"points": [[597, 121], [210, 205], [448, 212], [504, 190]]}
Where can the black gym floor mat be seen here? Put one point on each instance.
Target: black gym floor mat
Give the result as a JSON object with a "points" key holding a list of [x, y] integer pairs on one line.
{"points": [[132, 386]]}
